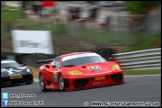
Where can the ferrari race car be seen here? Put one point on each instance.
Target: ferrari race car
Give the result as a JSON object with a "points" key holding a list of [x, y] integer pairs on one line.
{"points": [[79, 71], [13, 73]]}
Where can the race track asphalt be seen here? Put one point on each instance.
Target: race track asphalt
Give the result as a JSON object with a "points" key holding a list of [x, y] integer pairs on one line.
{"points": [[135, 89]]}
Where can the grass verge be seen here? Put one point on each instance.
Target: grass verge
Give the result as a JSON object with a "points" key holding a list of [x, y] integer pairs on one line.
{"points": [[152, 42], [54, 28], [142, 72], [98, 37], [17, 17], [10, 16]]}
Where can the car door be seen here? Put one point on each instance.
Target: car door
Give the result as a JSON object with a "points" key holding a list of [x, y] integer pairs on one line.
{"points": [[53, 69]]}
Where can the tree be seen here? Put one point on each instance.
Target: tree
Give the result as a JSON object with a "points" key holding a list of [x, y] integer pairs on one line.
{"points": [[138, 12], [140, 7]]}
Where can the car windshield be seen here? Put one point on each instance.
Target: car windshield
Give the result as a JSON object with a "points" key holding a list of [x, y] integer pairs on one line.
{"points": [[83, 60], [9, 65]]}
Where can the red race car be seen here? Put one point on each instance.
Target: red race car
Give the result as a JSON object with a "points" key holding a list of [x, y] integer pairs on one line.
{"points": [[78, 71]]}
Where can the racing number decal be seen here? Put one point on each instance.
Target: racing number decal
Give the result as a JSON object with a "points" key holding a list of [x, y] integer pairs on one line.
{"points": [[55, 72], [94, 68], [55, 76]]}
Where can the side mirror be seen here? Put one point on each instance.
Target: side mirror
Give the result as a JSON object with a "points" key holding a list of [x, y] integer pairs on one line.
{"points": [[24, 64], [54, 66]]}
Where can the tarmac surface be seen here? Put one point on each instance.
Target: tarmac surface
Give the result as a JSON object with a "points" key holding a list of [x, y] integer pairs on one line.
{"points": [[136, 89]]}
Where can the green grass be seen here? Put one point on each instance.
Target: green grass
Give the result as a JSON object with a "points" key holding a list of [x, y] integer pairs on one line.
{"points": [[142, 72], [54, 28], [96, 37], [13, 17], [152, 42], [132, 41]]}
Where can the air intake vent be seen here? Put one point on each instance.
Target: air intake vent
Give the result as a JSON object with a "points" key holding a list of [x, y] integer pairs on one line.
{"points": [[80, 82], [117, 77]]}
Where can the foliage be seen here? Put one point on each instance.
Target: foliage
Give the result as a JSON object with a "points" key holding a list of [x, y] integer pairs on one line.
{"points": [[140, 7]]}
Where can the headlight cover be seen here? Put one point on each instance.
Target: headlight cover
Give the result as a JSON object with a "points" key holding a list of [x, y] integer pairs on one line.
{"points": [[28, 70], [75, 72], [115, 67]]}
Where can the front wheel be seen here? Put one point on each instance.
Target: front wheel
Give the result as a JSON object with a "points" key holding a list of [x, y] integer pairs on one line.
{"points": [[30, 82], [42, 83], [61, 83]]}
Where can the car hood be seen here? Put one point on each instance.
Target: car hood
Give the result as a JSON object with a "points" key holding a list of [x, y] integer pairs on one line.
{"points": [[12, 71], [91, 68]]}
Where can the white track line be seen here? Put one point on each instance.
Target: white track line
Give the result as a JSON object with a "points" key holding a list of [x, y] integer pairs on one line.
{"points": [[36, 80]]}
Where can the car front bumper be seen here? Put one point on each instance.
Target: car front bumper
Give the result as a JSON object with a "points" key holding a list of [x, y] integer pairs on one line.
{"points": [[74, 83], [6, 81]]}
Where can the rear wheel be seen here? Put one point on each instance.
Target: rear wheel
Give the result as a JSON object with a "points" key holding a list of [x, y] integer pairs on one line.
{"points": [[42, 83], [61, 83]]}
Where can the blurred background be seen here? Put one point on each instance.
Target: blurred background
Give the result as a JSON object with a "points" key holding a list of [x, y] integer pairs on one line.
{"points": [[123, 26]]}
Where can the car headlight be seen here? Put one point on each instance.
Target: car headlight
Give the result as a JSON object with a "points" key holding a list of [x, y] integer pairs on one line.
{"points": [[75, 72], [115, 67], [28, 70]]}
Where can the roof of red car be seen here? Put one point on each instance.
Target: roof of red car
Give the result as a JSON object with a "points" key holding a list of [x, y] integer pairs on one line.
{"points": [[75, 53]]}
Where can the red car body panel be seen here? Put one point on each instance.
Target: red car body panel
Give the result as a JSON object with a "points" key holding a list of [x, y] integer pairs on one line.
{"points": [[88, 79]]}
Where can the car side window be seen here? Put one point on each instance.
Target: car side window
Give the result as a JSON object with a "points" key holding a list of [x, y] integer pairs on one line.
{"points": [[56, 62]]}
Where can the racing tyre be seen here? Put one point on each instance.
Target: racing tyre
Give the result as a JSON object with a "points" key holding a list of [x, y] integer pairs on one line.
{"points": [[42, 83], [61, 83]]}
